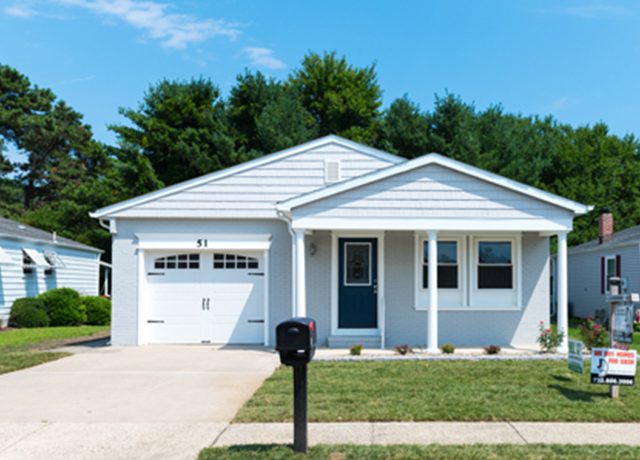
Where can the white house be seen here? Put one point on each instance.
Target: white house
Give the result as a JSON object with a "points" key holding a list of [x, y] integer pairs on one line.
{"points": [[33, 261], [343, 233]]}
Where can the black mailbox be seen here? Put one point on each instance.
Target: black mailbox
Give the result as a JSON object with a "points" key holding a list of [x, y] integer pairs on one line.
{"points": [[296, 340]]}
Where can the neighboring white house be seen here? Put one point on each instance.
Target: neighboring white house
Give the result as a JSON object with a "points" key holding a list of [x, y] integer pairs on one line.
{"points": [[591, 264], [33, 261], [343, 233]]}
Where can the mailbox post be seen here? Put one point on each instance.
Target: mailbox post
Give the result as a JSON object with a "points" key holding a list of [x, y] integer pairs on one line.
{"points": [[296, 344]]}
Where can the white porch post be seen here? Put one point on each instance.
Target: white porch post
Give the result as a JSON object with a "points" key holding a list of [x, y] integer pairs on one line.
{"points": [[561, 289], [432, 320], [301, 292]]}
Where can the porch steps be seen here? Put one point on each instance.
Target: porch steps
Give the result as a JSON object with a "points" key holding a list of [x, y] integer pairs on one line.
{"points": [[346, 341]]}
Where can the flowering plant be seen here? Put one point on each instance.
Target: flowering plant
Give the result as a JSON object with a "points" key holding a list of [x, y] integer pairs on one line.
{"points": [[548, 339], [594, 335]]}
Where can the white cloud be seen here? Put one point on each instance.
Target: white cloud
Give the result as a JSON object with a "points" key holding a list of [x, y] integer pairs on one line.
{"points": [[173, 30], [19, 11], [558, 104], [263, 57], [78, 79], [594, 10]]}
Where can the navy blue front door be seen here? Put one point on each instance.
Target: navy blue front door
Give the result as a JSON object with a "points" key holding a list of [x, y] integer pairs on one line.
{"points": [[358, 283]]}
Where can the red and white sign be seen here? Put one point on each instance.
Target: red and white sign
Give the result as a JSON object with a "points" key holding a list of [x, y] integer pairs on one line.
{"points": [[613, 367]]}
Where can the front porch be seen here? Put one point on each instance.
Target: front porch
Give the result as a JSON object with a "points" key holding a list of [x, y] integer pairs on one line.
{"points": [[493, 287]]}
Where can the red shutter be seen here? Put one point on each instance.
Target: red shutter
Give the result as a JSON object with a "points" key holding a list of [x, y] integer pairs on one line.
{"points": [[618, 264], [602, 275]]}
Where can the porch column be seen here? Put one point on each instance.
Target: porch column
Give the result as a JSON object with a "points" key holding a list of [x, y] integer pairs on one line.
{"points": [[561, 289], [301, 292], [432, 317]]}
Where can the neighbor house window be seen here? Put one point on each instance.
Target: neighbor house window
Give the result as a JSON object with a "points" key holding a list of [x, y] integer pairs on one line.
{"points": [[495, 265], [447, 265], [611, 269]]}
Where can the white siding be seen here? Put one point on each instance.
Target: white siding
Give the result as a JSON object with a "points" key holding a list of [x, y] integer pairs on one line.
{"points": [[253, 193], [81, 272], [432, 192]]}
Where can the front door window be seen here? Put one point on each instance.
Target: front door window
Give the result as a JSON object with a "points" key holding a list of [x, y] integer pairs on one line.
{"points": [[358, 260]]}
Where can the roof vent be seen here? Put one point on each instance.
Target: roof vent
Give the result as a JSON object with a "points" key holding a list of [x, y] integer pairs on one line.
{"points": [[331, 171]]}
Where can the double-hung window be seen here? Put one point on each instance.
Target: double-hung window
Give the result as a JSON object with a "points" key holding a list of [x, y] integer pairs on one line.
{"points": [[495, 265], [447, 265]]}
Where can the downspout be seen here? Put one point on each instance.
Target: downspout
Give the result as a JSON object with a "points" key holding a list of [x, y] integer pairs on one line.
{"points": [[104, 225], [287, 219]]}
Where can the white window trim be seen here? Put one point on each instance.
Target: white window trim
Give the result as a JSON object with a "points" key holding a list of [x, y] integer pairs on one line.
{"points": [[606, 269], [344, 268], [459, 258], [419, 291], [516, 261]]}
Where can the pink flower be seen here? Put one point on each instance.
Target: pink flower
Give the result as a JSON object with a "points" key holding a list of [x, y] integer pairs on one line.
{"points": [[541, 322], [548, 330]]}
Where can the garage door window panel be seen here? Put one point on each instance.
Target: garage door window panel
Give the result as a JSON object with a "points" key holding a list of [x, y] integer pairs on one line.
{"points": [[234, 262], [178, 261]]}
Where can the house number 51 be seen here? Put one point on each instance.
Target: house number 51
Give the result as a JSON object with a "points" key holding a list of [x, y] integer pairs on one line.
{"points": [[202, 243]]}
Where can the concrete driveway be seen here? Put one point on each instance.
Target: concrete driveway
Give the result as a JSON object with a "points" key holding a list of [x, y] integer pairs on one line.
{"points": [[125, 403]]}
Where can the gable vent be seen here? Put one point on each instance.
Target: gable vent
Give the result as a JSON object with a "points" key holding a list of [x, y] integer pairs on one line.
{"points": [[332, 171]]}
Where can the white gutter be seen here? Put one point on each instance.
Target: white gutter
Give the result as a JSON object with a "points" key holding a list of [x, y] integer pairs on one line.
{"points": [[284, 217]]}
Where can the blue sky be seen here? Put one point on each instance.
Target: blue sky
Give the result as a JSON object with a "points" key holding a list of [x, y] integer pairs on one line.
{"points": [[576, 60]]}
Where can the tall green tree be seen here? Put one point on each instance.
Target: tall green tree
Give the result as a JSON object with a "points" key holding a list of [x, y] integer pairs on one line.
{"points": [[182, 128], [405, 129], [252, 92], [343, 99]]}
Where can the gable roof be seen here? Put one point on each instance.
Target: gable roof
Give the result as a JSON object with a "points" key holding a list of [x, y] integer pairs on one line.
{"points": [[628, 236], [13, 229], [266, 159], [437, 159]]}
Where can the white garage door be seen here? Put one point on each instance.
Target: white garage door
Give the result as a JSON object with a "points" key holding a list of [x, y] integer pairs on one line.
{"points": [[205, 297]]}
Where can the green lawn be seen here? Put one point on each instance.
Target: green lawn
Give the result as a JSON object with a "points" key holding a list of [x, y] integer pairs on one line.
{"points": [[436, 390], [432, 452], [22, 348]]}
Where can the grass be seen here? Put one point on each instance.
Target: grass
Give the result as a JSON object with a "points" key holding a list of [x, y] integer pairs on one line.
{"points": [[448, 391], [432, 452], [22, 348]]}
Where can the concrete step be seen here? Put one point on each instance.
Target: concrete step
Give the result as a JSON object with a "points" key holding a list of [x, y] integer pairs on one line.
{"points": [[346, 341]]}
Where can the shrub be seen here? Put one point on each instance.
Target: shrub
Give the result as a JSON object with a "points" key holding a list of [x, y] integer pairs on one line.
{"points": [[492, 349], [28, 312], [448, 348], [636, 327], [98, 310], [549, 340], [593, 335], [356, 350], [64, 306], [403, 349]]}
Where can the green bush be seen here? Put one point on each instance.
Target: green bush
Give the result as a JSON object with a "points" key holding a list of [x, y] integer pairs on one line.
{"points": [[448, 348], [28, 312], [356, 350], [64, 306], [593, 334], [636, 327], [98, 310]]}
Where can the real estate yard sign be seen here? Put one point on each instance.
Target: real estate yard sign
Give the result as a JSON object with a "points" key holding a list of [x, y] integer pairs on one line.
{"points": [[611, 366], [576, 363], [623, 323]]}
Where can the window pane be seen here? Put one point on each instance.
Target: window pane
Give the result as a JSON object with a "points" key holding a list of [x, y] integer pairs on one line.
{"points": [[182, 265], [253, 263], [196, 265], [218, 265], [495, 277], [494, 252], [242, 263], [447, 277], [182, 257], [358, 259], [171, 265], [195, 257], [159, 264], [611, 267], [218, 257], [447, 252]]}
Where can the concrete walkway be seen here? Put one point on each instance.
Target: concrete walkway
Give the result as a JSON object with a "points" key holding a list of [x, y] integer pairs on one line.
{"points": [[381, 433], [150, 402]]}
